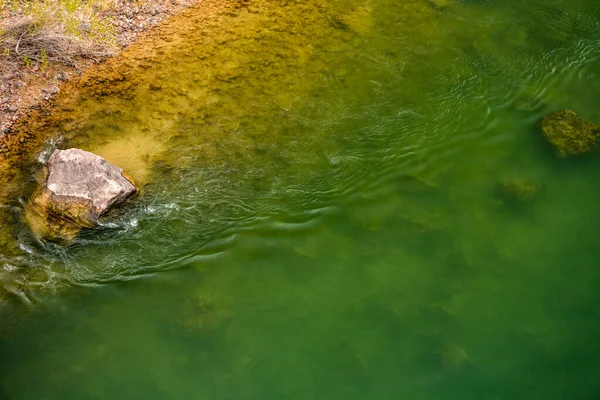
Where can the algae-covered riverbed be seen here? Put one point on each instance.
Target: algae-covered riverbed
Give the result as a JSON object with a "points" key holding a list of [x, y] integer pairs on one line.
{"points": [[340, 200]]}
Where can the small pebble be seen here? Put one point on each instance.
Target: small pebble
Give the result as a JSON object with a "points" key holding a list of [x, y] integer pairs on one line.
{"points": [[13, 108]]}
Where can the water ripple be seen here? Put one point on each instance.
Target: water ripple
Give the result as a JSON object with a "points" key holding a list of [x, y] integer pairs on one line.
{"points": [[381, 127]]}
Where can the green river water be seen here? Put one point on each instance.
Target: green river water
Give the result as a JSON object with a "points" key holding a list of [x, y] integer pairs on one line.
{"points": [[322, 214]]}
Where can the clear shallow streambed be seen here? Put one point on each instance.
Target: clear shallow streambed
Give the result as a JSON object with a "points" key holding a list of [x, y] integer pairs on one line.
{"points": [[321, 215]]}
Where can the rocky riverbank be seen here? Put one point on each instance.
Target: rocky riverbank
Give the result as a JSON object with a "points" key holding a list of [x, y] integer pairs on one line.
{"points": [[24, 87]]}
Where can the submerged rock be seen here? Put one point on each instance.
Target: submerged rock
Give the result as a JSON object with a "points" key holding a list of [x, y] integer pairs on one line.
{"points": [[201, 315], [77, 188], [519, 190], [569, 134], [454, 356]]}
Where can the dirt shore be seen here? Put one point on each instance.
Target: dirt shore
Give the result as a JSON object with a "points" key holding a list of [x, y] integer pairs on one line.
{"points": [[29, 88]]}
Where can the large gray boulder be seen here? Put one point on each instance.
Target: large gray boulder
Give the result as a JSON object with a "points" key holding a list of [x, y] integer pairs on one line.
{"points": [[78, 187]]}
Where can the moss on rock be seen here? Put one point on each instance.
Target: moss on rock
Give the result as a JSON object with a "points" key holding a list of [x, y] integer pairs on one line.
{"points": [[569, 134]]}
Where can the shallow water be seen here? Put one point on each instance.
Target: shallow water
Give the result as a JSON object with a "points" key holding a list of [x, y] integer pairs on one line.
{"points": [[322, 213]]}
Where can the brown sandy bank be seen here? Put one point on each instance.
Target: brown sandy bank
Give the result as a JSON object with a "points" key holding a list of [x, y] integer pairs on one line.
{"points": [[29, 83]]}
